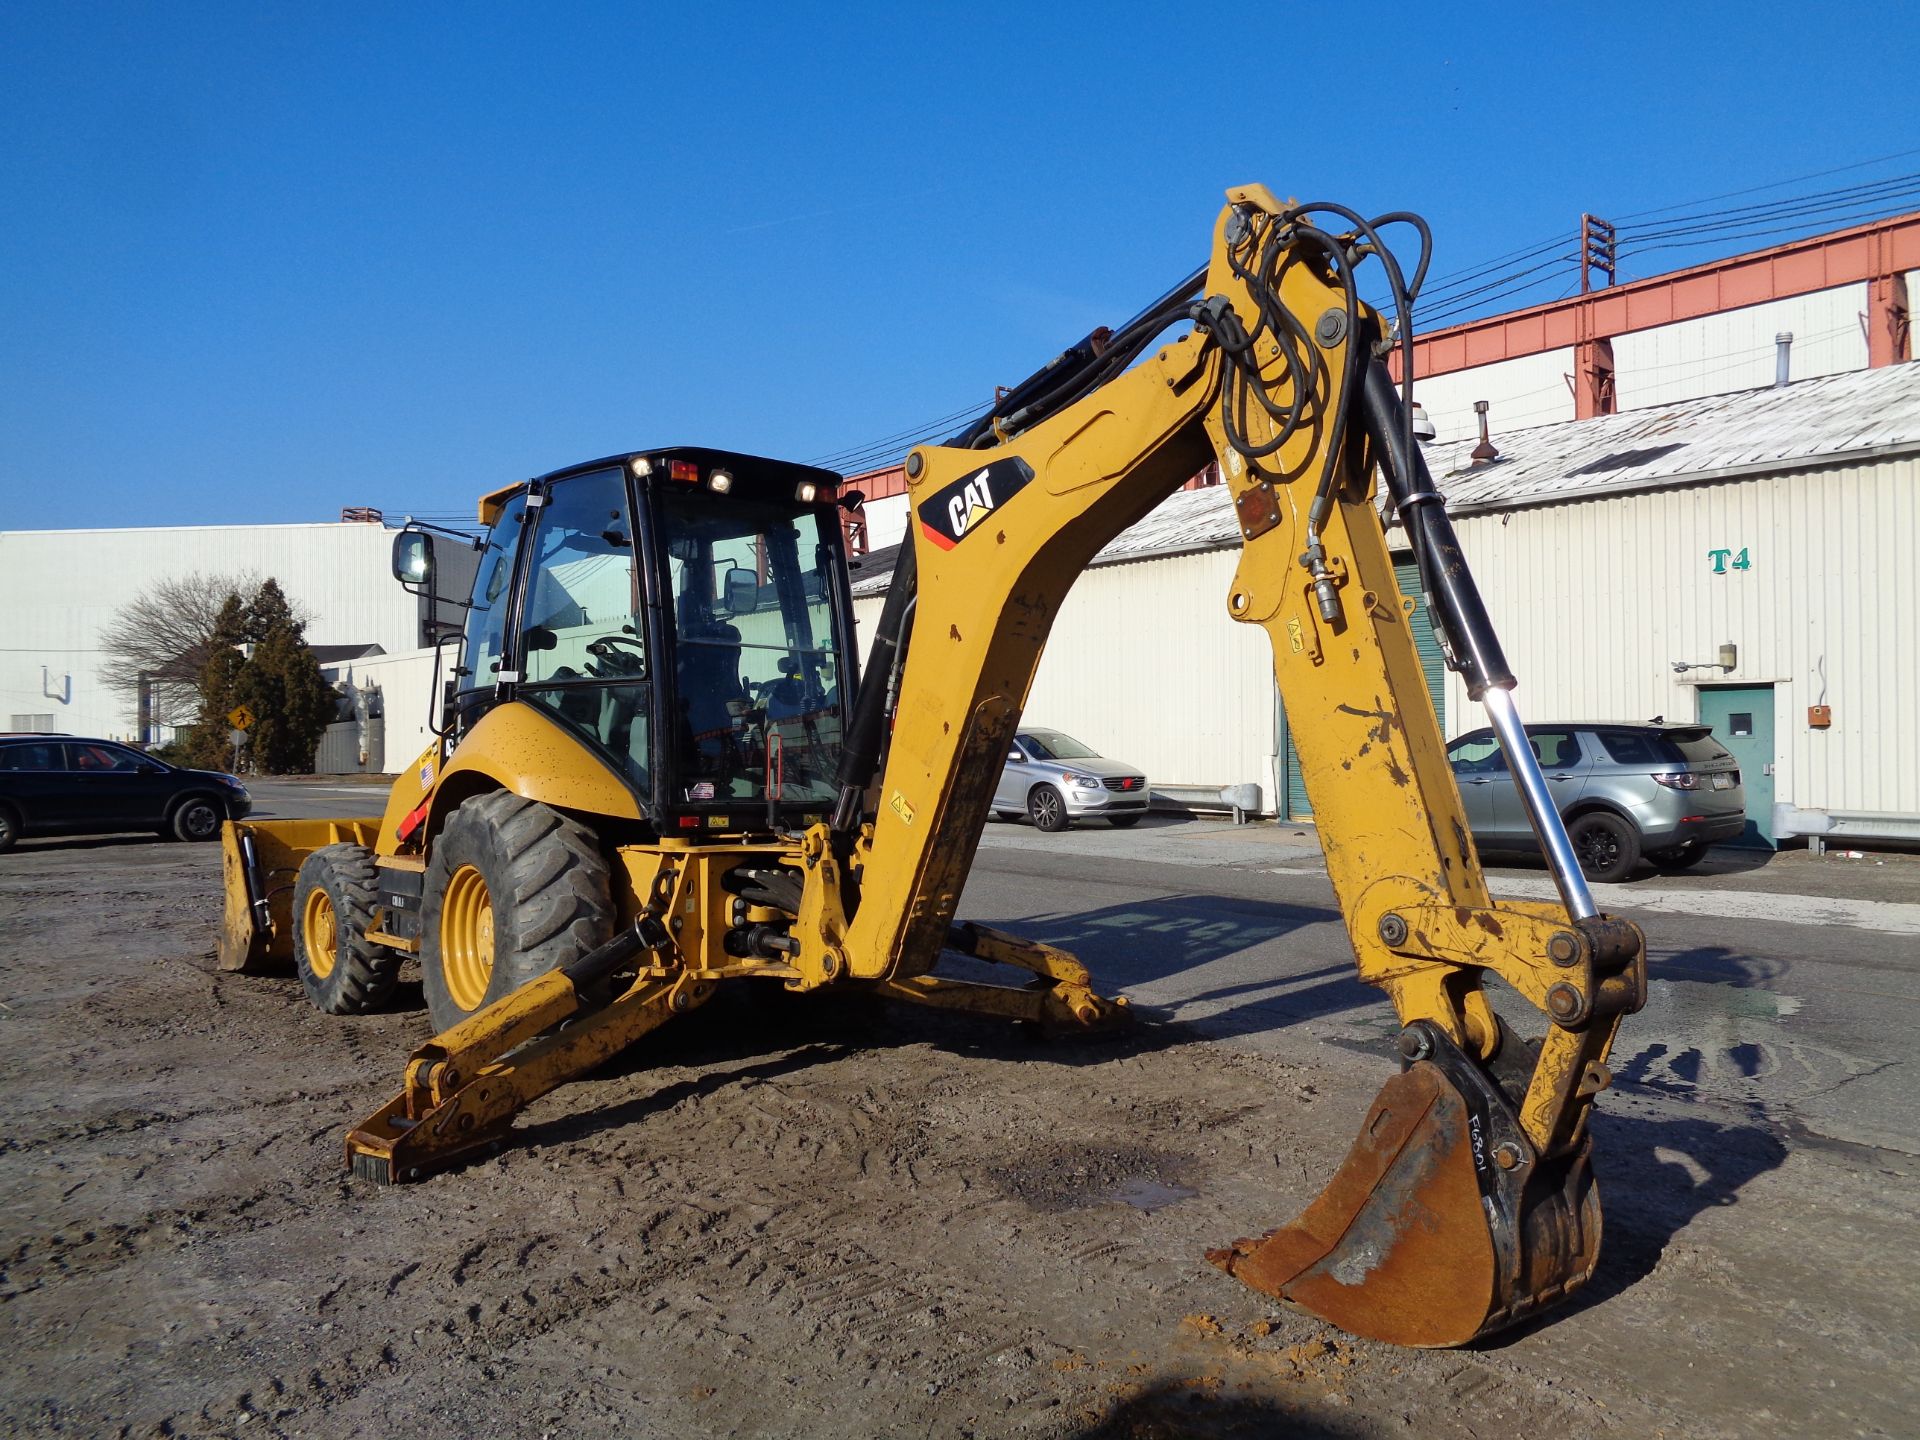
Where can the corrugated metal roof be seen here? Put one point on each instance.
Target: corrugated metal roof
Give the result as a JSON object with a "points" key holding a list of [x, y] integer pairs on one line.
{"points": [[1831, 419], [1860, 413]]}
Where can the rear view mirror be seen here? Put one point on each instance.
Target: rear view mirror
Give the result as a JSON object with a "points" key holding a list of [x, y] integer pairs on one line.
{"points": [[1015, 757], [740, 591], [413, 558]]}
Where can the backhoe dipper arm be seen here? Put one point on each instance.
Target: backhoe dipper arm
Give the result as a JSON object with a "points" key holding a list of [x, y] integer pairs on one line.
{"points": [[1280, 383]]}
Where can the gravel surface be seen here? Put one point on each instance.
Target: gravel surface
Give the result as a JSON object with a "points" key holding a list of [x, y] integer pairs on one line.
{"points": [[783, 1218]]}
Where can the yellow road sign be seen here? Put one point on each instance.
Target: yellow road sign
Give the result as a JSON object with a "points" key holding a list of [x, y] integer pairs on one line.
{"points": [[240, 717]]}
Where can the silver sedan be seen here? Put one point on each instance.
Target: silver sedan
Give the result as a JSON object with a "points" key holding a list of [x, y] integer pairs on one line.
{"points": [[1054, 780]]}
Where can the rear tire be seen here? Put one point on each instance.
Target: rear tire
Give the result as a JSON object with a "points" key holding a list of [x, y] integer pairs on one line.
{"points": [[1123, 822], [1680, 857], [1607, 847], [342, 971], [197, 818], [514, 889], [9, 827], [1048, 809]]}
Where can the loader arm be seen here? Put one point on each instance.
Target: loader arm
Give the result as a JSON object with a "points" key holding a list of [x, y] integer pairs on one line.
{"points": [[1280, 382]]}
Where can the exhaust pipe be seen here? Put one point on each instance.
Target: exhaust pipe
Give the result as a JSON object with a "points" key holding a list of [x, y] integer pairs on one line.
{"points": [[1782, 357]]}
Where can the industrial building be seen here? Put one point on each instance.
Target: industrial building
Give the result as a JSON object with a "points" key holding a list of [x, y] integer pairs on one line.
{"points": [[1740, 559], [1702, 498], [1723, 456], [60, 588]]}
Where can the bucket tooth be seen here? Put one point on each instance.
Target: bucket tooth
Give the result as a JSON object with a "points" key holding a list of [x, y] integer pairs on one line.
{"points": [[1442, 1224]]}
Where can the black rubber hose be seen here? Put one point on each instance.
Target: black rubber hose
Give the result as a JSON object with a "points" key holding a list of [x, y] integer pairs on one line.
{"points": [[860, 756], [1457, 607], [597, 964]]}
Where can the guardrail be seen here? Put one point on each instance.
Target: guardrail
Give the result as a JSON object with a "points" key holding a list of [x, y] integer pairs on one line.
{"points": [[1821, 827]]}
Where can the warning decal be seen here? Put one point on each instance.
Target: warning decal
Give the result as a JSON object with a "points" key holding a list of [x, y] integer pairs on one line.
{"points": [[949, 515]]}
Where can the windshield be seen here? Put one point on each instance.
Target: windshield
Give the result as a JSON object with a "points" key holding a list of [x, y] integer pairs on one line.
{"points": [[1052, 745], [757, 684]]}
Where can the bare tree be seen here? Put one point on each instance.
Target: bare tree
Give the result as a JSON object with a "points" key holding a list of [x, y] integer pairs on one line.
{"points": [[166, 633]]}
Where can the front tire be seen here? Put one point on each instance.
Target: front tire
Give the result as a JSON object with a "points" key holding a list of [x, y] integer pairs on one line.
{"points": [[1607, 847], [1123, 822], [342, 971], [197, 818], [9, 827], [514, 889], [1048, 809]]}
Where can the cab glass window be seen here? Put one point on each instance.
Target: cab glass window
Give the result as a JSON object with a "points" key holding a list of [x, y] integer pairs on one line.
{"points": [[492, 590], [583, 654], [757, 688]]}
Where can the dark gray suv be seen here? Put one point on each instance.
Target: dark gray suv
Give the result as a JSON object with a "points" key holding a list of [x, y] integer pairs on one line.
{"points": [[1660, 792], [61, 785]]}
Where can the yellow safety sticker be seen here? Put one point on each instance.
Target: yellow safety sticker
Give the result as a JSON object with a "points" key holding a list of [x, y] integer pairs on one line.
{"points": [[901, 808]]}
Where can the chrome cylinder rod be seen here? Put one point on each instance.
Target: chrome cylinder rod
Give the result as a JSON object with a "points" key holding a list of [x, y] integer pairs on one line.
{"points": [[1542, 813]]}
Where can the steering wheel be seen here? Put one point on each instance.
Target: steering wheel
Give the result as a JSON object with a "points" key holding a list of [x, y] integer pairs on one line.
{"points": [[621, 655]]}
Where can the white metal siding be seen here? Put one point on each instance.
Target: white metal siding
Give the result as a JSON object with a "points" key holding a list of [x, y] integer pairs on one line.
{"points": [[1145, 665], [1734, 350], [59, 588], [886, 520], [404, 684], [1531, 390], [1595, 600]]}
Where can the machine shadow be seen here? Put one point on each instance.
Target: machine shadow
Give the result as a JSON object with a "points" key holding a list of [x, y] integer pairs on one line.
{"points": [[1655, 1176], [1135, 946], [1187, 1412]]}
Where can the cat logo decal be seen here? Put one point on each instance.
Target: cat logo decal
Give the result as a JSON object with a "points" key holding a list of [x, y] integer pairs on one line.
{"points": [[950, 515]]}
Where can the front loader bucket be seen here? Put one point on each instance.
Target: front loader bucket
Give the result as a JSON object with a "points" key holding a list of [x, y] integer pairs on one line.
{"points": [[260, 860], [1441, 1225]]}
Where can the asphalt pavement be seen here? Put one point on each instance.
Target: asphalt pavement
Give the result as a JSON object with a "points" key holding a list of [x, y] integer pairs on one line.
{"points": [[1784, 988]]}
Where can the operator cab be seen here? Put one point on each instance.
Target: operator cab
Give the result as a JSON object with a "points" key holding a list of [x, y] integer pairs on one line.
{"points": [[685, 613]]}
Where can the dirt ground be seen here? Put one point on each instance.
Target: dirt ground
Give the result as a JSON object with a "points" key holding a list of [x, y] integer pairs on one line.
{"points": [[775, 1222]]}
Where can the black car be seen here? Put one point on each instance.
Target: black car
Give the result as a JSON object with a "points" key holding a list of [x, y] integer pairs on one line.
{"points": [[59, 785]]}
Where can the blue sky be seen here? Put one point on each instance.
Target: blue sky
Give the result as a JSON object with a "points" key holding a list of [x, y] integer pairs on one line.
{"points": [[261, 261]]}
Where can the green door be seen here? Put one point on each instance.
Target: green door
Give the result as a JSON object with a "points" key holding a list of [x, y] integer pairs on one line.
{"points": [[1431, 662], [1742, 720]]}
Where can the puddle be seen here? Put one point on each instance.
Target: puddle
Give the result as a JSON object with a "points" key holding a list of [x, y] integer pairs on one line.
{"points": [[1148, 1195]]}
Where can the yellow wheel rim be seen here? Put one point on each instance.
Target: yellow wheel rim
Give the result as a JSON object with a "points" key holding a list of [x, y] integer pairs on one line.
{"points": [[466, 938], [321, 927]]}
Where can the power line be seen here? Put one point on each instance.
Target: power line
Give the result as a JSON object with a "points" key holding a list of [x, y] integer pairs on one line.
{"points": [[1460, 294]]}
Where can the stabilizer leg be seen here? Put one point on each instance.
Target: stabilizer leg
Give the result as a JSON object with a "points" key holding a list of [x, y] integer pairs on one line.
{"points": [[1060, 998], [464, 1087]]}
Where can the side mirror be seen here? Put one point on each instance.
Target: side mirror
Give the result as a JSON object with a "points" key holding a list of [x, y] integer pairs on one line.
{"points": [[740, 592], [413, 558], [1016, 757]]}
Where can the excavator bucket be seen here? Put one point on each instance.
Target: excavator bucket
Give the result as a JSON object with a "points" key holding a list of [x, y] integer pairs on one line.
{"points": [[1442, 1224]]}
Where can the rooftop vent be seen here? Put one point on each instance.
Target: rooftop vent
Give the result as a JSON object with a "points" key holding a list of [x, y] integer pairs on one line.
{"points": [[1483, 453]]}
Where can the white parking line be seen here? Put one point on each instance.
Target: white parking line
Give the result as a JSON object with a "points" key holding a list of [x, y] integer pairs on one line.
{"points": [[1887, 917]]}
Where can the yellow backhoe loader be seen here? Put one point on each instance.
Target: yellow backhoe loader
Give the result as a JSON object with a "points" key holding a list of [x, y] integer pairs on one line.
{"points": [[661, 772]]}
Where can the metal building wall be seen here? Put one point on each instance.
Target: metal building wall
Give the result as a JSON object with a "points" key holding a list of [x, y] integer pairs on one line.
{"points": [[1595, 601], [59, 588], [1145, 665], [1734, 350], [1531, 390]]}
